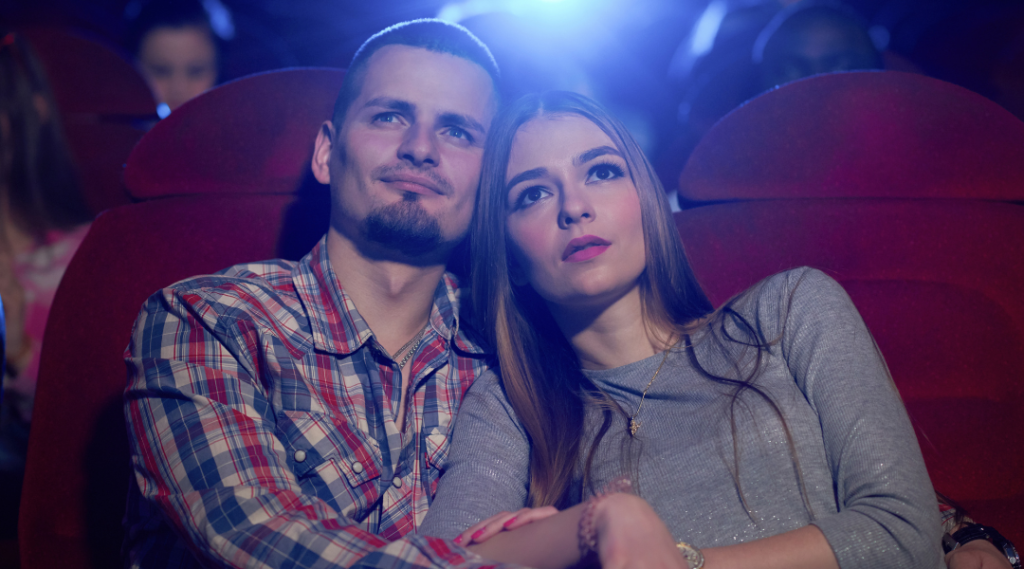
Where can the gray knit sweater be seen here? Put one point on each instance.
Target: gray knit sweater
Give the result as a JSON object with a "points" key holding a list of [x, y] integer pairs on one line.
{"points": [[864, 480]]}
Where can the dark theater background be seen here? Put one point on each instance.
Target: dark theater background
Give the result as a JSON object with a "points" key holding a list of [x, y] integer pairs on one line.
{"points": [[903, 179]]}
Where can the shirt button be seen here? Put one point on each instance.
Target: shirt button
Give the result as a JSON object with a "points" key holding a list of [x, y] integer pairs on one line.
{"points": [[397, 482], [300, 456], [357, 467]]}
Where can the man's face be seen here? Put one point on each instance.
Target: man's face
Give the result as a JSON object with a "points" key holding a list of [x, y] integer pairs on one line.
{"points": [[404, 165]]}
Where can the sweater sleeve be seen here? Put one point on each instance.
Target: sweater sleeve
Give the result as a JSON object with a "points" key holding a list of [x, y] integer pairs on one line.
{"points": [[887, 508], [488, 463]]}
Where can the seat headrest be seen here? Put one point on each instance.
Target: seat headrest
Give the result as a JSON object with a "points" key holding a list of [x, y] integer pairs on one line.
{"points": [[88, 77], [252, 135], [877, 134]]}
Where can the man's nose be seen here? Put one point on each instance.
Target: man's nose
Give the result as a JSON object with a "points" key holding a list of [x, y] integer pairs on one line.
{"points": [[419, 146], [576, 207]]}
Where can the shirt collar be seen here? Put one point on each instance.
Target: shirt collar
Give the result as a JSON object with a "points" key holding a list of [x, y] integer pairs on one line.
{"points": [[335, 323]]}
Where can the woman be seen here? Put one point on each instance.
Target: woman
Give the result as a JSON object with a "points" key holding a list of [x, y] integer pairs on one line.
{"points": [[764, 434], [177, 47], [43, 219]]}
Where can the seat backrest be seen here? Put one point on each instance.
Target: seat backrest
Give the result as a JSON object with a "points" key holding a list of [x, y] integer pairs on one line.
{"points": [[918, 226], [77, 473], [105, 106], [861, 134]]}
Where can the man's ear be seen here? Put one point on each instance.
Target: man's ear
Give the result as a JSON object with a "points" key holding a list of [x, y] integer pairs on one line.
{"points": [[322, 153]]}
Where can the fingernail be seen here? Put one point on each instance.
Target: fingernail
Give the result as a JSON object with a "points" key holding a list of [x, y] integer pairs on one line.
{"points": [[508, 523], [458, 540], [478, 533]]}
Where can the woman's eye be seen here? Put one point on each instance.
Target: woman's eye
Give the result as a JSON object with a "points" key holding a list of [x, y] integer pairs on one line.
{"points": [[601, 172], [529, 196]]}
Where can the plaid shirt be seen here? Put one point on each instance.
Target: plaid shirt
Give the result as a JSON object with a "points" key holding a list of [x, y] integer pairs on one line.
{"points": [[261, 413]]}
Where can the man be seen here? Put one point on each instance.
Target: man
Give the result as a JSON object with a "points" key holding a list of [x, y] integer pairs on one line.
{"points": [[296, 414]]}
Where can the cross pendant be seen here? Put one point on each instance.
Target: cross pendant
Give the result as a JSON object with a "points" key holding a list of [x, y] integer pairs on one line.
{"points": [[634, 426]]}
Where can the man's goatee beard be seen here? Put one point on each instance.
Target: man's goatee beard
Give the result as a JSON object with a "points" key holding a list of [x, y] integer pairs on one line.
{"points": [[403, 227]]}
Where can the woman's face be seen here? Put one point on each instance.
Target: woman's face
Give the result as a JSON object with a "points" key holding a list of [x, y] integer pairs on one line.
{"points": [[573, 214], [179, 63]]}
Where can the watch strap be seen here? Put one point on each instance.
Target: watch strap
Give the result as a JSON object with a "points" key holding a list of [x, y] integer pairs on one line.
{"points": [[972, 532]]}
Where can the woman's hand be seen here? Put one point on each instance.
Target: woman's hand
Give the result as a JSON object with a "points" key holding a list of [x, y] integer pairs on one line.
{"points": [[630, 534], [977, 554], [486, 529]]}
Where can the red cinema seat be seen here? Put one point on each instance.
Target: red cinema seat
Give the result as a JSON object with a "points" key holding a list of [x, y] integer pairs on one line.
{"points": [[908, 191], [221, 181], [105, 106]]}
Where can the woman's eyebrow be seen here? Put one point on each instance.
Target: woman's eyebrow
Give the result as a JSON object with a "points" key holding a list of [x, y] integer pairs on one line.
{"points": [[523, 176], [594, 153]]}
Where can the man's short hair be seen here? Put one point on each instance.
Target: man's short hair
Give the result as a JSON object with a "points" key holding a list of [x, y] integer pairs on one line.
{"points": [[431, 34]]}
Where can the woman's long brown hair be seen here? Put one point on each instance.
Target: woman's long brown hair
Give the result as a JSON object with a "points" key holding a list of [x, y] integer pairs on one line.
{"points": [[36, 168], [539, 370]]}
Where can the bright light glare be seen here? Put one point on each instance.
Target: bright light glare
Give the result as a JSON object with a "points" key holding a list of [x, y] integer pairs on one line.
{"points": [[707, 28], [458, 11]]}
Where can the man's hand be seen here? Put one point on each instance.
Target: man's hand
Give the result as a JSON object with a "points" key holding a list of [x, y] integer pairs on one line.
{"points": [[977, 554]]}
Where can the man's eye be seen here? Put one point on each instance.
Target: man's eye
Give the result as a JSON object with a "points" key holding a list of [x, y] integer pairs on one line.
{"points": [[386, 117], [460, 133], [601, 172]]}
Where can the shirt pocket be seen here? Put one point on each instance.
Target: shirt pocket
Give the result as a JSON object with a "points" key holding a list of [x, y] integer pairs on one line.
{"points": [[436, 446], [334, 462]]}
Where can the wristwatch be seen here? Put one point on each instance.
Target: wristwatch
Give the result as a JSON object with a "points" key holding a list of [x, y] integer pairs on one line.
{"points": [[972, 532]]}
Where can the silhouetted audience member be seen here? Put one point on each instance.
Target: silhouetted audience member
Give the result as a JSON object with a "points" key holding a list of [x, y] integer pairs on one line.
{"points": [[812, 37], [754, 50], [176, 48], [43, 219]]}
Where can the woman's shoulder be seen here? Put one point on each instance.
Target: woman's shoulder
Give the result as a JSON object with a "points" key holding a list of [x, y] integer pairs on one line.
{"points": [[487, 394], [801, 280], [793, 295]]}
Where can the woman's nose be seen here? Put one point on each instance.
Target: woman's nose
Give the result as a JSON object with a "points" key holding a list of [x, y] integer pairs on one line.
{"points": [[576, 208]]}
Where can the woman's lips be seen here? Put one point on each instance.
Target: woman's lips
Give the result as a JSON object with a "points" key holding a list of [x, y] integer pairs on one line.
{"points": [[584, 248]]}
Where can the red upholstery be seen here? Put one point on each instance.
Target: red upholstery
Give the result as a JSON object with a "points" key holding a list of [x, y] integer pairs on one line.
{"points": [[104, 103], [77, 470], [863, 134], [936, 275], [250, 149]]}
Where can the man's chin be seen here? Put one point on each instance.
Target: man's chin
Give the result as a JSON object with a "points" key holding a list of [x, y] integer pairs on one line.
{"points": [[405, 228]]}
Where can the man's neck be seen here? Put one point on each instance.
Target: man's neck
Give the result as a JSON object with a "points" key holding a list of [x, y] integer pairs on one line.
{"points": [[393, 298]]}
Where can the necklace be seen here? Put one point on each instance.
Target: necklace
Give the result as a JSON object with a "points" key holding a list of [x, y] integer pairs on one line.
{"points": [[634, 425], [399, 351], [415, 343]]}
